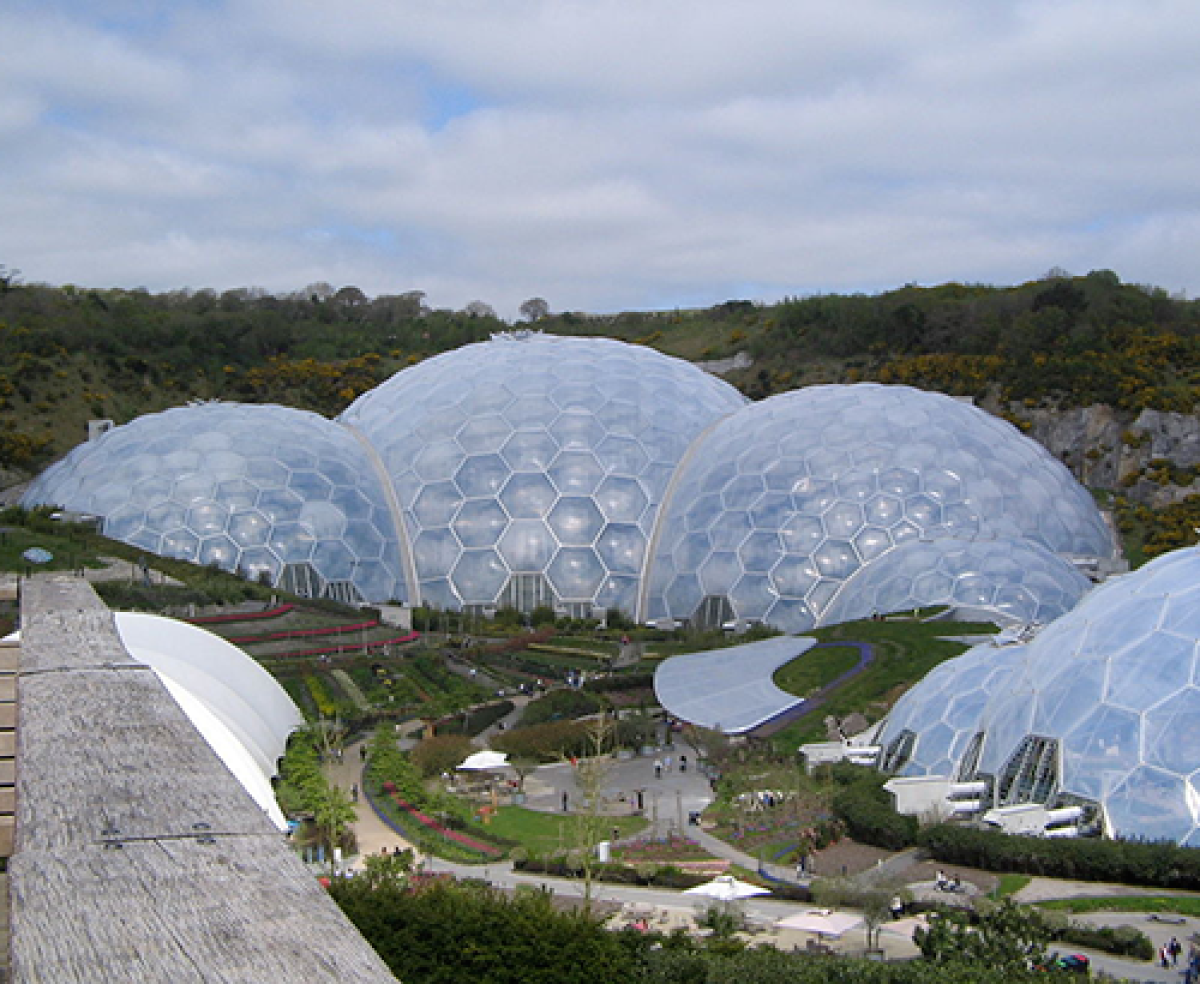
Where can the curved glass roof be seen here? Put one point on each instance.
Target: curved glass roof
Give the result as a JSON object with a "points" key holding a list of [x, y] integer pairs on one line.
{"points": [[1017, 580], [538, 458], [783, 503], [586, 473], [259, 489], [944, 710], [1116, 682]]}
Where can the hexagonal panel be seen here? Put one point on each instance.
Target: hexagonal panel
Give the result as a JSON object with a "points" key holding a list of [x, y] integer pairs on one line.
{"points": [[622, 500], [527, 546], [481, 475], [480, 522], [576, 521], [528, 496], [576, 573]]}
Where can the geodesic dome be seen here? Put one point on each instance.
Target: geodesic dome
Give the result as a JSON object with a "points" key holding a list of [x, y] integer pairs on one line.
{"points": [[250, 488], [529, 469], [1017, 580], [1102, 707], [931, 728], [585, 474], [780, 506]]}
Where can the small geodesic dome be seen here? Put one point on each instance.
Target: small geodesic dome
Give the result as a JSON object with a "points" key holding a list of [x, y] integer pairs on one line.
{"points": [[1102, 707], [779, 507], [258, 489], [1016, 580], [930, 730]]}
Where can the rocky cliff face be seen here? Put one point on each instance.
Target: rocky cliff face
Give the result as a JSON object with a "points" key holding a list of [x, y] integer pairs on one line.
{"points": [[1153, 459]]}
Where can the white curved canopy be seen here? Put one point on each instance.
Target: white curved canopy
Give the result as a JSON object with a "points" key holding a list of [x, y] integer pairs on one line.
{"points": [[243, 714]]}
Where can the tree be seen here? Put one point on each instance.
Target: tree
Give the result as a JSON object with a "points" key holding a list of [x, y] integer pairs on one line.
{"points": [[440, 754], [479, 309], [534, 309], [329, 736], [333, 812], [1008, 936], [8, 278], [387, 868], [872, 897], [591, 774]]}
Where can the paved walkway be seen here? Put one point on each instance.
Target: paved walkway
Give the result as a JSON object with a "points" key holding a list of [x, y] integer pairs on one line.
{"points": [[372, 834]]}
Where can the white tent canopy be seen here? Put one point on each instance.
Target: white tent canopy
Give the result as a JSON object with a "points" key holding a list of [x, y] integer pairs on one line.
{"points": [[484, 761], [726, 888], [822, 922]]}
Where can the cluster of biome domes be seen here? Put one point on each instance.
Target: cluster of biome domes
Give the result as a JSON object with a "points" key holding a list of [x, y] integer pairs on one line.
{"points": [[1098, 716], [586, 474]]}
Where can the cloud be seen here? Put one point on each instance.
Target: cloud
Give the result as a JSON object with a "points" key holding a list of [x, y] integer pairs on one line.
{"points": [[604, 154]]}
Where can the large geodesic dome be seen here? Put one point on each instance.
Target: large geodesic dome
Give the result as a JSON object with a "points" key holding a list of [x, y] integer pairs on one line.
{"points": [[1101, 708], [530, 468], [587, 474], [780, 507], [264, 490]]}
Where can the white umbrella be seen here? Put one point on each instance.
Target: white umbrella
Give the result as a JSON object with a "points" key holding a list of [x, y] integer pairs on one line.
{"points": [[823, 922], [484, 761], [726, 888]]}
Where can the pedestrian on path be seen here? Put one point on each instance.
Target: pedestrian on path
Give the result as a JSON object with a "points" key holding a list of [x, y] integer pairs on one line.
{"points": [[658, 766], [1175, 948]]}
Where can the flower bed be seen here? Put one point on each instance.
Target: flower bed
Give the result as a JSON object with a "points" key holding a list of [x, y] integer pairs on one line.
{"points": [[327, 650], [673, 850], [428, 822], [782, 839], [240, 616], [302, 633]]}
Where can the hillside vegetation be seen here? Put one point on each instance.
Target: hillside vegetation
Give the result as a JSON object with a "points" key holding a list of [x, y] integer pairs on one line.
{"points": [[70, 354]]}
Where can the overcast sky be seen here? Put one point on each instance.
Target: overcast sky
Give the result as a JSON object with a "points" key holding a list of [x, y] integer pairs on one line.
{"points": [[604, 155]]}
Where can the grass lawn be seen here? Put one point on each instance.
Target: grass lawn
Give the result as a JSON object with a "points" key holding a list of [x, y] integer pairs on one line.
{"points": [[1184, 905], [1010, 884], [905, 650], [68, 552], [815, 668], [545, 834]]}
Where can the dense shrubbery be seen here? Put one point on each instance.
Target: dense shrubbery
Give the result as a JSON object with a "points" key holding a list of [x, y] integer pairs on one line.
{"points": [[477, 720], [559, 705], [1124, 941], [865, 808], [1161, 864], [620, 681], [545, 742], [451, 932]]}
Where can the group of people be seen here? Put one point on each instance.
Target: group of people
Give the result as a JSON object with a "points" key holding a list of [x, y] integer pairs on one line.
{"points": [[664, 765], [943, 883], [1168, 953]]}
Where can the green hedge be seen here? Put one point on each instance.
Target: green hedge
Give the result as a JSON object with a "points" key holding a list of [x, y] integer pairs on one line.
{"points": [[865, 807], [1124, 941], [1160, 864]]}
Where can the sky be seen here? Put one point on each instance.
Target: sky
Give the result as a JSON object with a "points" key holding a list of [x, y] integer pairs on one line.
{"points": [[604, 155]]}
